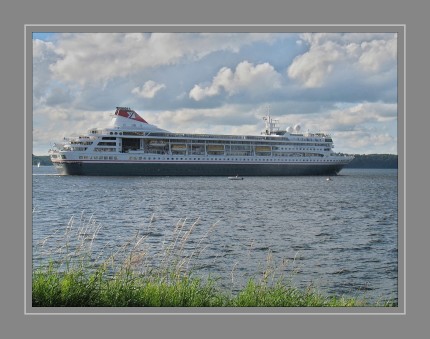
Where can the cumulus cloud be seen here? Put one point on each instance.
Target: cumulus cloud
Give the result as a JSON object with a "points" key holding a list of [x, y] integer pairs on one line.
{"points": [[42, 48], [148, 90], [363, 142], [89, 57], [260, 78], [331, 54], [222, 119], [363, 113], [352, 117], [43, 56], [378, 55]]}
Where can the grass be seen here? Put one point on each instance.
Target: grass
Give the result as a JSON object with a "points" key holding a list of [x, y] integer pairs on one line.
{"points": [[128, 277], [77, 289], [127, 289]]}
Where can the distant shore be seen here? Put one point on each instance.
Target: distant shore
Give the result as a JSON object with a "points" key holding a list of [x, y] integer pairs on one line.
{"points": [[374, 161]]}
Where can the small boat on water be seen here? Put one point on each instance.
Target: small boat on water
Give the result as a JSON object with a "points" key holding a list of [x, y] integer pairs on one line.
{"points": [[235, 178], [38, 164]]}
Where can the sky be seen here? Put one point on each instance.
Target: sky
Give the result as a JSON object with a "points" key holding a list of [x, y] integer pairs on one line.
{"points": [[344, 84]]}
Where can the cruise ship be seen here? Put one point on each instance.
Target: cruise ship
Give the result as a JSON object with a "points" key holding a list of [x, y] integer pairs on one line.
{"points": [[130, 146]]}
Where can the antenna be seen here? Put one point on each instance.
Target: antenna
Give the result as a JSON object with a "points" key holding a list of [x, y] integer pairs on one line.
{"points": [[271, 125]]}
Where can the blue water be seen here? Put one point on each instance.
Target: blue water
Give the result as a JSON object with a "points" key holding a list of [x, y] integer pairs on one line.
{"points": [[338, 235]]}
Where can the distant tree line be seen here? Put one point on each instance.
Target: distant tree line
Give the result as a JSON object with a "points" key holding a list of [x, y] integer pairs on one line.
{"points": [[374, 161], [360, 161]]}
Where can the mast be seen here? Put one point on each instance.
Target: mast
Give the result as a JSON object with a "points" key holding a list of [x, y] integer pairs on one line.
{"points": [[271, 125]]}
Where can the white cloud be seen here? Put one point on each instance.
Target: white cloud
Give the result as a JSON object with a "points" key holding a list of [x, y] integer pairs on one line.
{"points": [[43, 55], [364, 113], [343, 54], [225, 119], [363, 142], [261, 78], [350, 118], [92, 57], [378, 55], [42, 48], [312, 67], [148, 90]]}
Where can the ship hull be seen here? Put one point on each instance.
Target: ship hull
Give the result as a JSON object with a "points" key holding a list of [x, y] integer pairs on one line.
{"points": [[196, 169]]}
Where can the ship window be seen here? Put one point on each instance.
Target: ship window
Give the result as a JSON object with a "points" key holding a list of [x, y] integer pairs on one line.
{"points": [[110, 133], [110, 158], [80, 157]]}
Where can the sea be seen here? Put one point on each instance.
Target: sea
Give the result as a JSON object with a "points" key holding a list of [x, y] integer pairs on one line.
{"points": [[338, 234]]}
